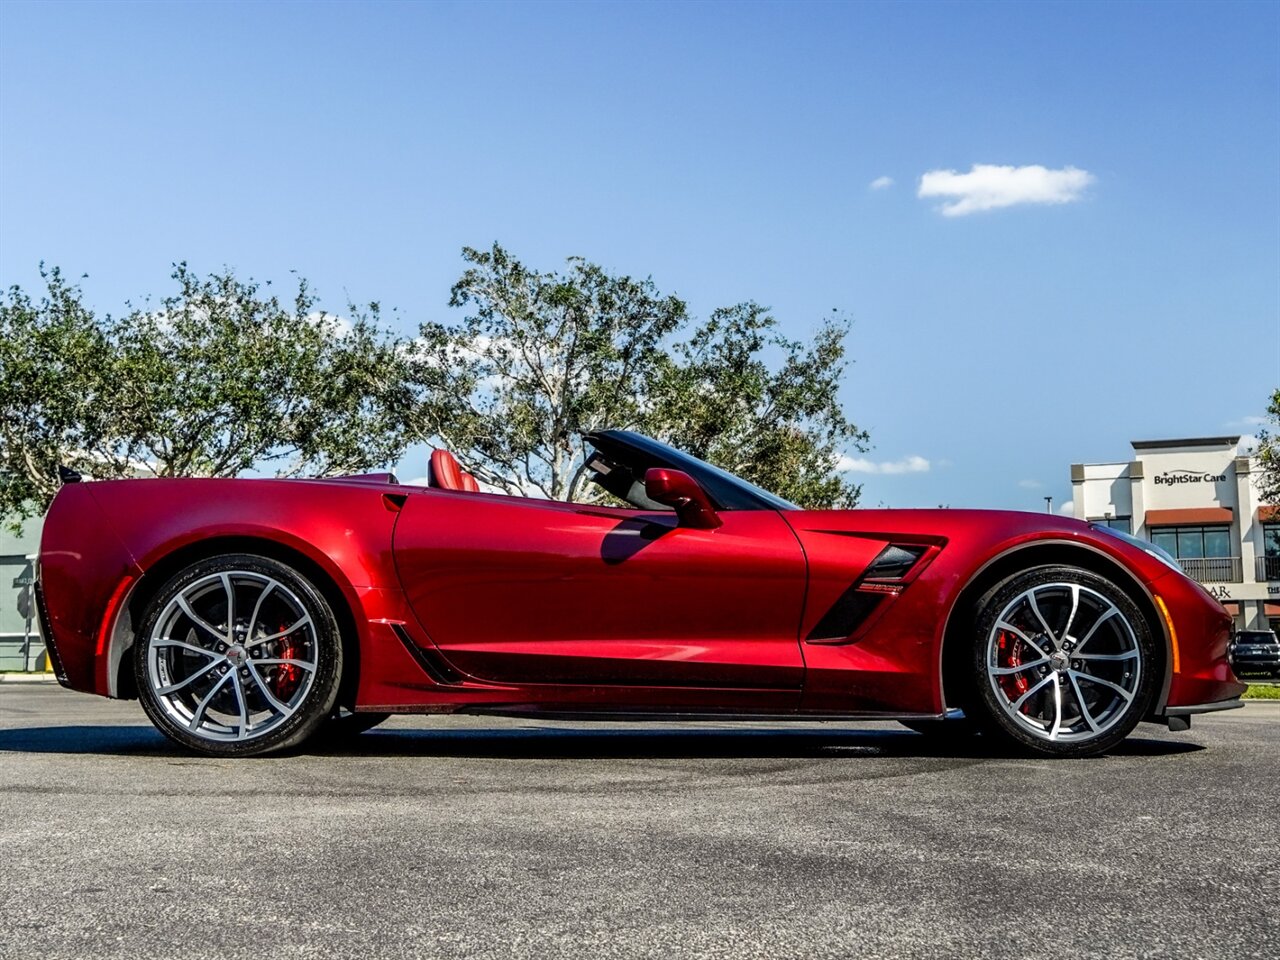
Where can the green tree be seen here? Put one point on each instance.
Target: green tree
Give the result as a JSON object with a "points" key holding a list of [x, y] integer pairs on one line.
{"points": [[55, 357], [542, 358], [217, 379], [1269, 453]]}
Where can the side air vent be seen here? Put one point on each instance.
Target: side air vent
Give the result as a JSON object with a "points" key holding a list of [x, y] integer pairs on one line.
{"points": [[846, 615], [886, 577], [894, 563], [430, 661]]}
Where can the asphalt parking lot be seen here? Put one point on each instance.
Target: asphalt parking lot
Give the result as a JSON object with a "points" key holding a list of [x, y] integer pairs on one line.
{"points": [[472, 838]]}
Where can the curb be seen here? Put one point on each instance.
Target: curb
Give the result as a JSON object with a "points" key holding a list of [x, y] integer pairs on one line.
{"points": [[27, 678]]}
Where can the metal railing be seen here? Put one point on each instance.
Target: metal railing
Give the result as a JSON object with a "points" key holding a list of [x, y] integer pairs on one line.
{"points": [[1214, 569], [1267, 569]]}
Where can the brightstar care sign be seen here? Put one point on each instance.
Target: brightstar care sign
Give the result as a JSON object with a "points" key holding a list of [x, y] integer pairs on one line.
{"points": [[1173, 477]]}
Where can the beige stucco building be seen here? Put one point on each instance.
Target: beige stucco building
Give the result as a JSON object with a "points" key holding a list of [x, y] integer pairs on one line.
{"points": [[1198, 499]]}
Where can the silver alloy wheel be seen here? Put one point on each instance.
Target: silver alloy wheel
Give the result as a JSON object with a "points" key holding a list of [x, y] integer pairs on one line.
{"points": [[232, 656], [1064, 662]]}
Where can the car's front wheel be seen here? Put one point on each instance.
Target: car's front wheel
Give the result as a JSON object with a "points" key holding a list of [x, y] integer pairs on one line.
{"points": [[238, 655], [1063, 663]]}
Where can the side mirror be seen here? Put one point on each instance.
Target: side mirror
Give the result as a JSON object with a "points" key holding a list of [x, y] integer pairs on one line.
{"points": [[675, 488]]}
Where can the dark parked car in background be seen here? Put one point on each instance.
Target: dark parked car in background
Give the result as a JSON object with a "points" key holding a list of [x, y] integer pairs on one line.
{"points": [[1255, 651]]}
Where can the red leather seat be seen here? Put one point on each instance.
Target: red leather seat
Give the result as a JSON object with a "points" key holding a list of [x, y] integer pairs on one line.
{"points": [[445, 472]]}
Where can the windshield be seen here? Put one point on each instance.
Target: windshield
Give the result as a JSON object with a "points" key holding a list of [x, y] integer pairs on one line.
{"points": [[1249, 636], [622, 457]]}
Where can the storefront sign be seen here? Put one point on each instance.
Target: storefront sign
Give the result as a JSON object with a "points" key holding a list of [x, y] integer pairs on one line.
{"points": [[1171, 477]]}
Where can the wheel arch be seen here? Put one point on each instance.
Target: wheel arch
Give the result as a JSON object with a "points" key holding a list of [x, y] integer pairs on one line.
{"points": [[331, 584], [1026, 556]]}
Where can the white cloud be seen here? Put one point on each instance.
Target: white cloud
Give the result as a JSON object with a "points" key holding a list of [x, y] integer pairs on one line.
{"points": [[1247, 447], [881, 183], [1067, 508], [911, 464], [1030, 484], [330, 323], [987, 187]]}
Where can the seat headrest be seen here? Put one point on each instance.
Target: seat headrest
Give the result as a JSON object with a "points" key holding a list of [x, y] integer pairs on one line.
{"points": [[444, 472]]}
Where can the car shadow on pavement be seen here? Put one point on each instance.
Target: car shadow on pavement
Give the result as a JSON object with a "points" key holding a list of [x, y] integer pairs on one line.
{"points": [[656, 742]]}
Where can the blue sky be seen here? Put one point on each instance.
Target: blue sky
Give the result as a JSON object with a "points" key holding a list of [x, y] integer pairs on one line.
{"points": [[727, 150]]}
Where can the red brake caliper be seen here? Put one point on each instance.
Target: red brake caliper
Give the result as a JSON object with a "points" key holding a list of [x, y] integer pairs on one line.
{"points": [[1010, 646], [287, 675]]}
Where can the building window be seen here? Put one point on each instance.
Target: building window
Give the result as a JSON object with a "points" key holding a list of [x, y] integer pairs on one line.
{"points": [[1194, 543], [1123, 524], [1271, 551]]}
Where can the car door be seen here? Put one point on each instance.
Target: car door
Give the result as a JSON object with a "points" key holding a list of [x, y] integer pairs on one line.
{"points": [[516, 590]]}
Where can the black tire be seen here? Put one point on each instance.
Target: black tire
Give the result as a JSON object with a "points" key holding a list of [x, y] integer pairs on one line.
{"points": [[314, 689], [960, 728], [1122, 662]]}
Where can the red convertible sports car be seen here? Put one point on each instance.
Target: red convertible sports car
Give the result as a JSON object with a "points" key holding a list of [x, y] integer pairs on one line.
{"points": [[249, 615]]}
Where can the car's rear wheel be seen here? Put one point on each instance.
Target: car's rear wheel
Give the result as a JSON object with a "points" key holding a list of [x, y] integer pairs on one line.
{"points": [[1063, 663], [238, 655]]}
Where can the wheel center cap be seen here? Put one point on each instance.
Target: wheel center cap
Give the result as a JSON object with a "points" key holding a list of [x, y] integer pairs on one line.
{"points": [[1059, 661], [237, 655]]}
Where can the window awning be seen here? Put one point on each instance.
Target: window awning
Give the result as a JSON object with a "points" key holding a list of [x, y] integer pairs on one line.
{"points": [[1187, 516], [1269, 514]]}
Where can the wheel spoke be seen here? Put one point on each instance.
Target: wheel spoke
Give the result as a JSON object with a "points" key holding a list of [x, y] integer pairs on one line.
{"points": [[169, 642], [1031, 598], [1057, 708], [1075, 605], [1128, 655], [277, 705], [231, 605], [1113, 611], [242, 703], [305, 621], [257, 608], [182, 684], [200, 621], [1106, 683], [1084, 707], [1017, 704], [271, 662], [1005, 625], [1006, 671], [198, 715]]}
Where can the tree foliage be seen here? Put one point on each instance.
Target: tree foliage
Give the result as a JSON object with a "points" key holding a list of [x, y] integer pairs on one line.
{"points": [[1269, 453], [222, 377], [217, 379], [542, 358], [54, 364]]}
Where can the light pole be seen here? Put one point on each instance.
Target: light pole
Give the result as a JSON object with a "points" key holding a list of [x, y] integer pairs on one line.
{"points": [[1048, 504]]}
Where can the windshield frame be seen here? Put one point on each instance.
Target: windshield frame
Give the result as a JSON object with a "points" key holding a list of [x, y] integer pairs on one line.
{"points": [[639, 453]]}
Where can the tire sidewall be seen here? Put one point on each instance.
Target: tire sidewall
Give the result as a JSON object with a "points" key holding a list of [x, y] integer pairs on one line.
{"points": [[319, 702], [990, 713]]}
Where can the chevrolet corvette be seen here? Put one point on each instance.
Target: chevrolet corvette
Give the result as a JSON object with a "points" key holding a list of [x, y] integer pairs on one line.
{"points": [[249, 615]]}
